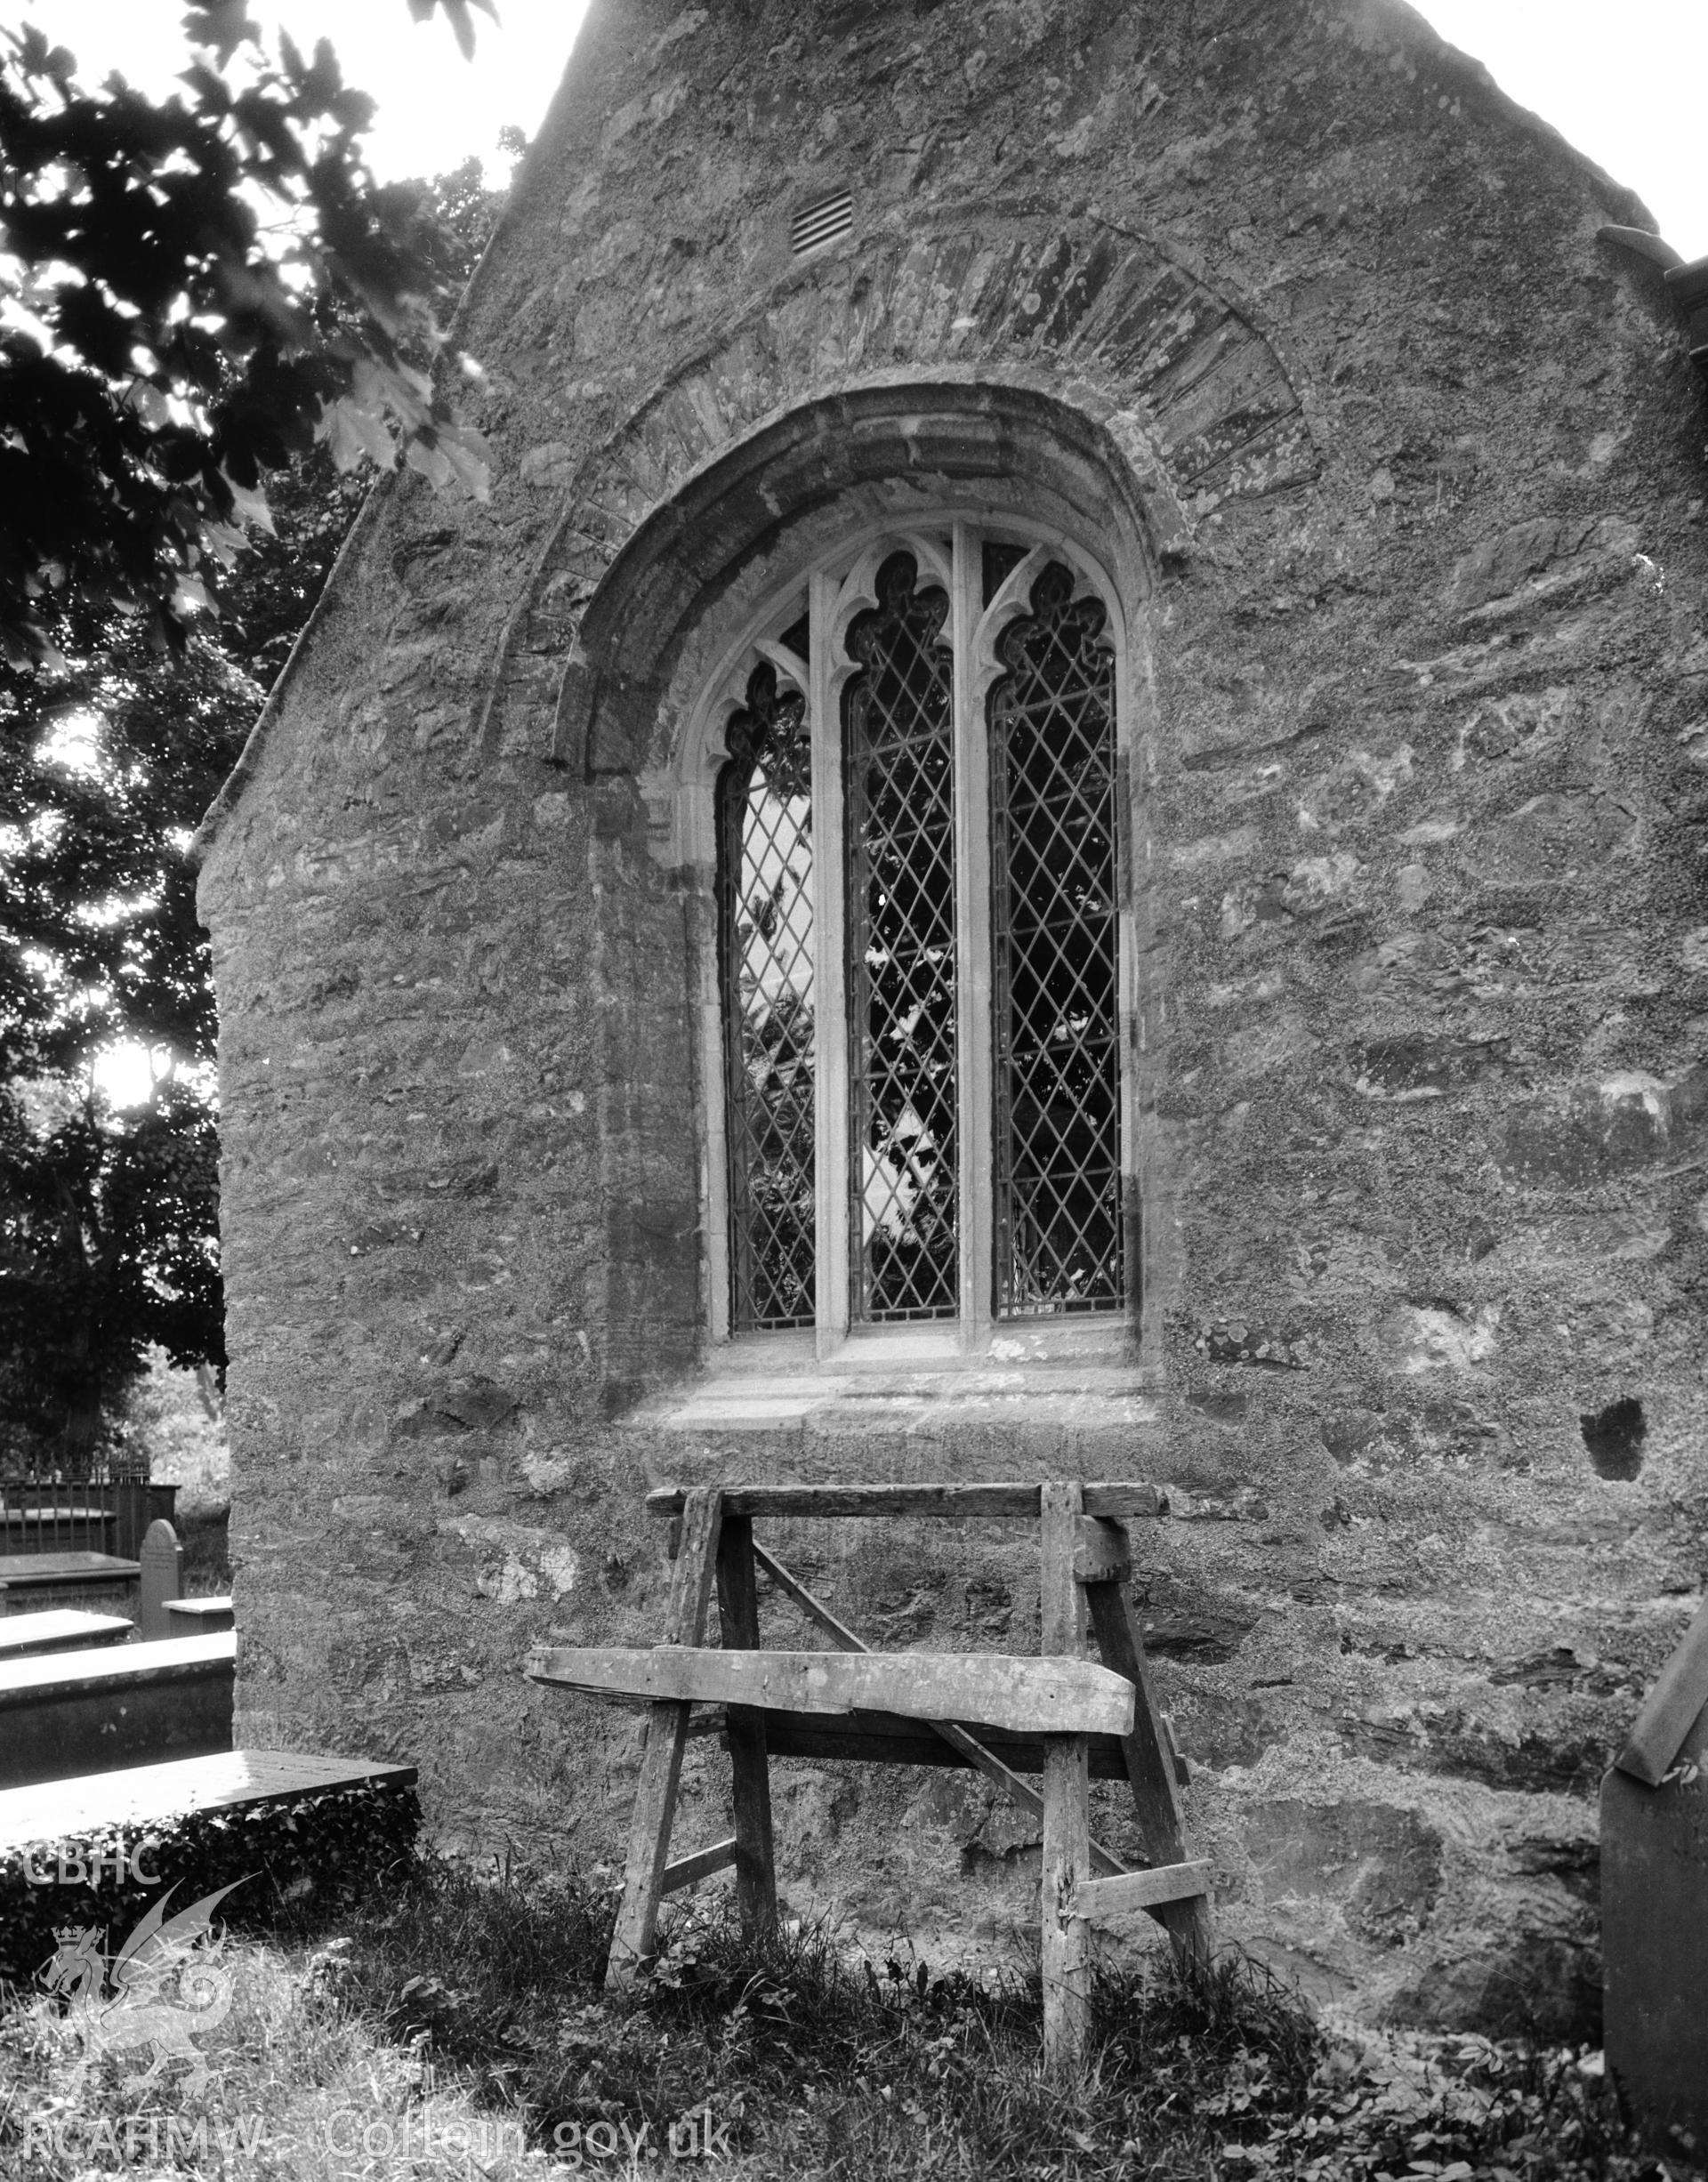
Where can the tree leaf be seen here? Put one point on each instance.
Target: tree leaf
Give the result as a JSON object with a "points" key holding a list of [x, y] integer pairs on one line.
{"points": [[222, 25], [181, 350], [426, 459], [470, 458]]}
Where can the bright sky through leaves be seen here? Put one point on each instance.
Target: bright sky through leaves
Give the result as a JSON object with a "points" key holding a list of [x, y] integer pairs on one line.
{"points": [[1625, 85], [435, 109]]}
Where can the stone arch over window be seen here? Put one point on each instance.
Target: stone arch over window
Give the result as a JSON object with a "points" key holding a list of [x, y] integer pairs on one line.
{"points": [[726, 640], [652, 667], [1144, 365], [1180, 385]]}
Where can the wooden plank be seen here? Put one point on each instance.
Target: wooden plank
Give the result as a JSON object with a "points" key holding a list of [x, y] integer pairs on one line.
{"points": [[738, 1616], [1067, 1936], [1104, 1554], [1108, 1901], [688, 1871], [1058, 1696], [1670, 1710], [960, 1746], [1123, 1501], [885, 1738], [635, 1937], [1150, 1766]]}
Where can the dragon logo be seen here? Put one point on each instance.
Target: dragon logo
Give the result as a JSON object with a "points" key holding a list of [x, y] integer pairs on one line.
{"points": [[157, 1990]]}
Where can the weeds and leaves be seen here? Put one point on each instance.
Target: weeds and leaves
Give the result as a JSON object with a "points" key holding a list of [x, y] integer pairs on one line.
{"points": [[294, 1863], [808, 2057], [822, 2060]]}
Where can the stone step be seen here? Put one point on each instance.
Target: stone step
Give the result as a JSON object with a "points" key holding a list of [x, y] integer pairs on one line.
{"points": [[66, 1713], [150, 1795]]}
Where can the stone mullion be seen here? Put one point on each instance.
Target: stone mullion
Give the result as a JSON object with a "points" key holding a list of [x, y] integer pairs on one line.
{"points": [[973, 1023]]}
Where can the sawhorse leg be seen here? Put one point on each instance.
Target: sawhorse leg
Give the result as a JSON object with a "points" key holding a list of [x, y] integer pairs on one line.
{"points": [[1149, 1760], [738, 1614], [633, 1941], [1067, 1935]]}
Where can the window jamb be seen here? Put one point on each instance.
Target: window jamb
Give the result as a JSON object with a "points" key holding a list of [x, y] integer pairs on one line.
{"points": [[830, 971]]}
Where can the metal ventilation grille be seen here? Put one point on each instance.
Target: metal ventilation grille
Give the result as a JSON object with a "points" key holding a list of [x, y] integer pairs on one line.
{"points": [[822, 223]]}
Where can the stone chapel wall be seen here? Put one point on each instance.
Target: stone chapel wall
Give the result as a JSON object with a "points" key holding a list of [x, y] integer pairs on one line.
{"points": [[1409, 469]]}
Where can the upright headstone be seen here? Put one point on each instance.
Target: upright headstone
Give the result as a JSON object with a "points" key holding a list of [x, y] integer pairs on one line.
{"points": [[1655, 1907], [162, 1580]]}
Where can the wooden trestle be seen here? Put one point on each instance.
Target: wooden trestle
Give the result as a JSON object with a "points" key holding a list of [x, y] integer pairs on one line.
{"points": [[1058, 1715]]}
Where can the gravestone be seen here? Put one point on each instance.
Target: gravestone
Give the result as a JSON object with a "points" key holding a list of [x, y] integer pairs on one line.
{"points": [[198, 1617], [162, 1580], [1655, 1907]]}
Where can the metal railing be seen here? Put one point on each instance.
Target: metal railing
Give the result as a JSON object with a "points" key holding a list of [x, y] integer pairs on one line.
{"points": [[45, 1510]]}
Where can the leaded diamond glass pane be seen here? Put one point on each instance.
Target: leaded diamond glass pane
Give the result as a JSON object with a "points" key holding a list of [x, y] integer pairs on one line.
{"points": [[899, 756], [765, 893], [1057, 1062]]}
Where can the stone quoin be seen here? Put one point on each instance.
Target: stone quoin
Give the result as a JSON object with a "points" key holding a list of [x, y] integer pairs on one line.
{"points": [[640, 1063]]}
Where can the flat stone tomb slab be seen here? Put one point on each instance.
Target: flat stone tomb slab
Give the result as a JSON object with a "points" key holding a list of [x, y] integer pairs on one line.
{"points": [[51, 1513], [24, 1680], [71, 1712], [193, 1617], [60, 1629], [148, 1795], [19, 1571], [1054, 1695]]}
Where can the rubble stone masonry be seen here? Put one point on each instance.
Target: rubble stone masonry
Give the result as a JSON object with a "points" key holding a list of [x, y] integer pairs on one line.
{"points": [[1400, 464]]}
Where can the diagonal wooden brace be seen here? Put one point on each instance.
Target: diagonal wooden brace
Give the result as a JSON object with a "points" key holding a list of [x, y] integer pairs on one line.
{"points": [[986, 1762]]}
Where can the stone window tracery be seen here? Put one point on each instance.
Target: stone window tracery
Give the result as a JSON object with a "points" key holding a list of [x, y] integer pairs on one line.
{"points": [[920, 989]]}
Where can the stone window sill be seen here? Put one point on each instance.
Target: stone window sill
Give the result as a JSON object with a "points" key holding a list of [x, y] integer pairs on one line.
{"points": [[916, 1382]]}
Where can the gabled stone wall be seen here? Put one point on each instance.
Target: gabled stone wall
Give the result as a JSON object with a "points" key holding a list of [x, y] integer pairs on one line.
{"points": [[1405, 468]]}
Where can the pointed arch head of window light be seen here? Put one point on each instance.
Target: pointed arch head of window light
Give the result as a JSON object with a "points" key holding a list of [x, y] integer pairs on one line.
{"points": [[656, 635], [678, 783]]}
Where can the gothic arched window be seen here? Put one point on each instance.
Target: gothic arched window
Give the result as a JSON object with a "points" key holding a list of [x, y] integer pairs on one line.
{"points": [[918, 852]]}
